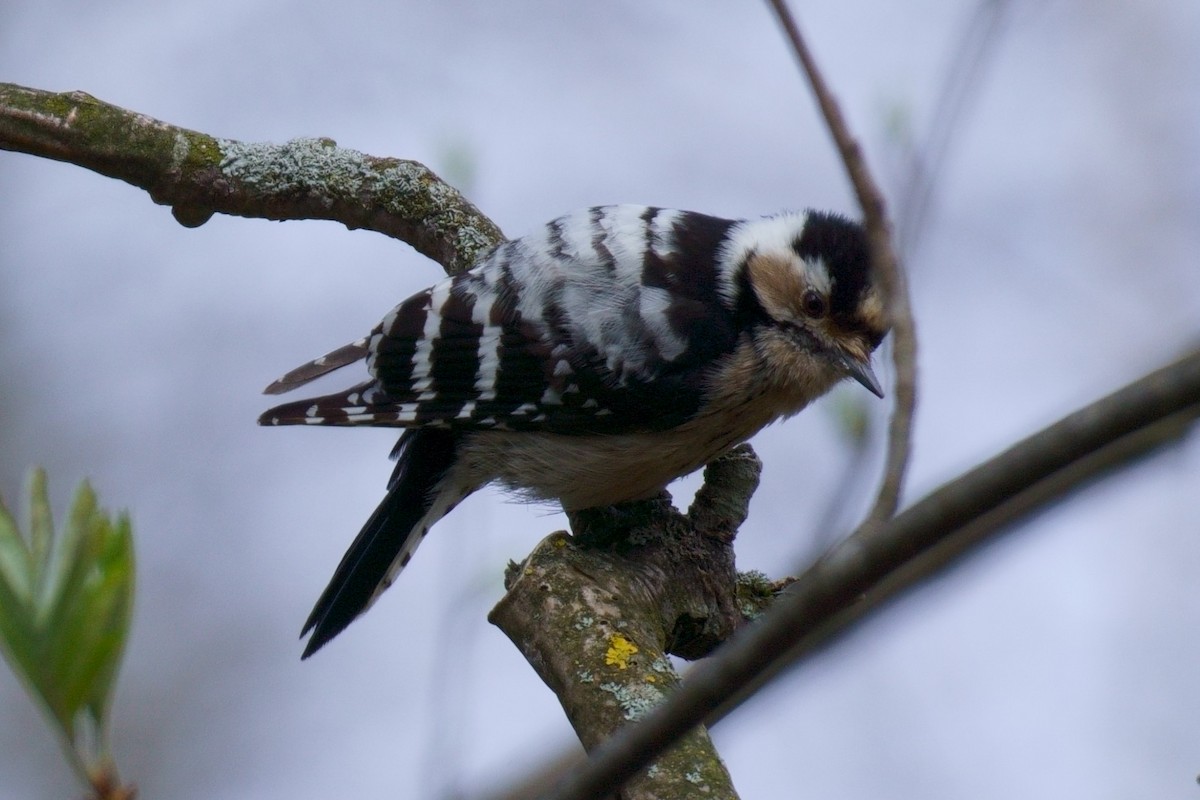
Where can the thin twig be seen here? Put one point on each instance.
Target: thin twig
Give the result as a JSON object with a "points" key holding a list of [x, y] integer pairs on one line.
{"points": [[891, 276], [976, 45], [861, 564]]}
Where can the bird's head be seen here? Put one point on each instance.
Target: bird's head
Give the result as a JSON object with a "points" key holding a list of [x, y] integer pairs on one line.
{"points": [[811, 273]]}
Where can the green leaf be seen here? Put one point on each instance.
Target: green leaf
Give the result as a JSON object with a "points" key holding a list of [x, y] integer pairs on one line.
{"points": [[41, 524], [18, 638], [66, 603], [16, 562], [69, 558], [96, 625]]}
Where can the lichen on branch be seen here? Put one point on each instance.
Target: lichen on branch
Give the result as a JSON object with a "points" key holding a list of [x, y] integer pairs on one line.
{"points": [[199, 175]]}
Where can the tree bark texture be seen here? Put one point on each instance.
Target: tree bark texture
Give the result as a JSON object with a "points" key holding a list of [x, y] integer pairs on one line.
{"points": [[199, 175], [597, 613]]}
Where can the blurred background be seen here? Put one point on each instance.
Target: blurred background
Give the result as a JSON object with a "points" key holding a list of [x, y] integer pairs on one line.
{"points": [[1058, 260]]}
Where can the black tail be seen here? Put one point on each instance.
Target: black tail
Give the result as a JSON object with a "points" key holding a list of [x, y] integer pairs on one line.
{"points": [[417, 497]]}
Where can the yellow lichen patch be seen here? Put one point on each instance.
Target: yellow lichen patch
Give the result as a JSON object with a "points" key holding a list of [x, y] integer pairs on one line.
{"points": [[620, 650]]}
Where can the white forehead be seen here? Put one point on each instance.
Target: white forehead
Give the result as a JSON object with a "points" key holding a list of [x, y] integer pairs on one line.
{"points": [[774, 236]]}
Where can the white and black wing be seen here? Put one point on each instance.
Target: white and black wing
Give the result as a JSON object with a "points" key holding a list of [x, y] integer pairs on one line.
{"points": [[603, 321]]}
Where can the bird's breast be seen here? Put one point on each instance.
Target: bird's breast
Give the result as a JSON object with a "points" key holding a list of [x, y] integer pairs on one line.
{"points": [[588, 470]]}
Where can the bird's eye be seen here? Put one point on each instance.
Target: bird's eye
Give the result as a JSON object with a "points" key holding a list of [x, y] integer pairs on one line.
{"points": [[814, 304]]}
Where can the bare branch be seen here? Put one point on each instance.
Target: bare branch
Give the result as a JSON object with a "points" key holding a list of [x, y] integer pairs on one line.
{"points": [[199, 175], [887, 267], [979, 42], [862, 564]]}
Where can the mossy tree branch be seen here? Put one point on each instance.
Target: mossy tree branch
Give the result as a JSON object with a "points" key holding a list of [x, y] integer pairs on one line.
{"points": [[199, 175], [597, 613]]}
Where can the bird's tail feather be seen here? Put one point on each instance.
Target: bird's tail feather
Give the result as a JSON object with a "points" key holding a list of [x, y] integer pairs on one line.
{"points": [[420, 493], [362, 404], [347, 354]]}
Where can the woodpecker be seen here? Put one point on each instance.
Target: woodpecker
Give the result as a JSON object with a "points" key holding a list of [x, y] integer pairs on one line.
{"points": [[590, 363]]}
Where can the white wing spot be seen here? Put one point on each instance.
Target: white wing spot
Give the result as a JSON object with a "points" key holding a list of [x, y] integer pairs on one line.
{"points": [[372, 350], [654, 305], [422, 357], [489, 348]]}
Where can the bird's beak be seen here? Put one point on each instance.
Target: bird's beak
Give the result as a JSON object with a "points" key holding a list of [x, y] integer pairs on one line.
{"points": [[861, 371]]}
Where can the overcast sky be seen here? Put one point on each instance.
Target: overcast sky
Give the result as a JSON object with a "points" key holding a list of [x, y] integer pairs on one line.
{"points": [[1059, 261]]}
